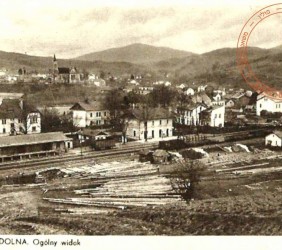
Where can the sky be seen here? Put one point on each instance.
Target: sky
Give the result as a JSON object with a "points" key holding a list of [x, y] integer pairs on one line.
{"points": [[71, 28]]}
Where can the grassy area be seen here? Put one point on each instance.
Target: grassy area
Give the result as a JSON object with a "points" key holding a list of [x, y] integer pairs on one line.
{"points": [[42, 94]]}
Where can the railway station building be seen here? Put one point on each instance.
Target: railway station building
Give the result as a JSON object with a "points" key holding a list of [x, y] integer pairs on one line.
{"points": [[33, 145]]}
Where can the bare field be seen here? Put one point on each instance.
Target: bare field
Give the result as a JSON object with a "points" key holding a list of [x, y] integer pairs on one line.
{"points": [[132, 198]]}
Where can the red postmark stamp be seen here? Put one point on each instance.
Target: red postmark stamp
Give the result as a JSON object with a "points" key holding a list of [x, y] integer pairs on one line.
{"points": [[242, 51]]}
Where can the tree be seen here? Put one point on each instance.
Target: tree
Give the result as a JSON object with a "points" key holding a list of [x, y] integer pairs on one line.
{"points": [[50, 120], [102, 74], [114, 102], [162, 95], [186, 178]]}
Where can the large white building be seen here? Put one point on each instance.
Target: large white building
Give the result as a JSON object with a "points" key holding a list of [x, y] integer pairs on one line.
{"points": [[274, 139], [214, 116], [190, 115], [89, 114], [268, 103], [153, 123], [14, 119]]}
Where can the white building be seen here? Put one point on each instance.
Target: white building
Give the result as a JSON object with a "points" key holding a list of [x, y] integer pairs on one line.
{"points": [[89, 113], [182, 86], [214, 116], [274, 139], [190, 115], [269, 103], [153, 123], [165, 83], [14, 120], [145, 90], [202, 88], [189, 91]]}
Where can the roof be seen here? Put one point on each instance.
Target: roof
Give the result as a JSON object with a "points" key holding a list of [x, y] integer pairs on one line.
{"points": [[4, 95], [149, 114], [160, 153], [275, 96], [201, 97], [278, 133], [10, 109], [93, 132], [64, 70], [212, 108], [88, 106], [16, 140], [192, 106]]}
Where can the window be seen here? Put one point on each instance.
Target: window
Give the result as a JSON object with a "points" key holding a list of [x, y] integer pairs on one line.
{"points": [[167, 121], [160, 122], [91, 115], [3, 121], [20, 121], [34, 119], [260, 105], [33, 129], [153, 123], [215, 116], [134, 133], [4, 131], [219, 116], [98, 114], [105, 113]]}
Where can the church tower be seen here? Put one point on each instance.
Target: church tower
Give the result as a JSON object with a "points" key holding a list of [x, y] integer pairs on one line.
{"points": [[55, 65]]}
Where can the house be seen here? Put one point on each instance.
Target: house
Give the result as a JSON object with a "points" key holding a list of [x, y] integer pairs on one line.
{"points": [[182, 86], [134, 82], [25, 146], [217, 98], [229, 103], [213, 116], [144, 90], [89, 114], [202, 98], [143, 124], [190, 115], [274, 139], [188, 91], [165, 83], [202, 88], [270, 103], [15, 119], [97, 82], [92, 135]]}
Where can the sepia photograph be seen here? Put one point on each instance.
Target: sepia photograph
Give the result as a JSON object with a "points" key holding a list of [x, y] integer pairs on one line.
{"points": [[139, 119]]}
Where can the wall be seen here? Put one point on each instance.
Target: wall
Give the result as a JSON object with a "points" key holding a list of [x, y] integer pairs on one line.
{"points": [[274, 139], [83, 118], [217, 117], [166, 128], [267, 104], [33, 127]]}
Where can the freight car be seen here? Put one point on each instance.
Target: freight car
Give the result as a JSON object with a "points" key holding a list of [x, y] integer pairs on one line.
{"points": [[103, 144]]}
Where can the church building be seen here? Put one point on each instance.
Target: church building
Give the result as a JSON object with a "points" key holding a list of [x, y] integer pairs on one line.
{"points": [[64, 74]]}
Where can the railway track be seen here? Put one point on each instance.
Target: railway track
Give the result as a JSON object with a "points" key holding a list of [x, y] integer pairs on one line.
{"points": [[55, 161]]}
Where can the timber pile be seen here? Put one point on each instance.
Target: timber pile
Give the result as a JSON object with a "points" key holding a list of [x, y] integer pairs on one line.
{"points": [[122, 185]]}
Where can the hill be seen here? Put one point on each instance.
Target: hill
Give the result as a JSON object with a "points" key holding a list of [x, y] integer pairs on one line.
{"points": [[135, 53], [216, 67], [13, 61]]}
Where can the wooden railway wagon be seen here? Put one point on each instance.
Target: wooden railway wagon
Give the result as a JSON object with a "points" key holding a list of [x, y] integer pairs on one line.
{"points": [[200, 141], [103, 144]]}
